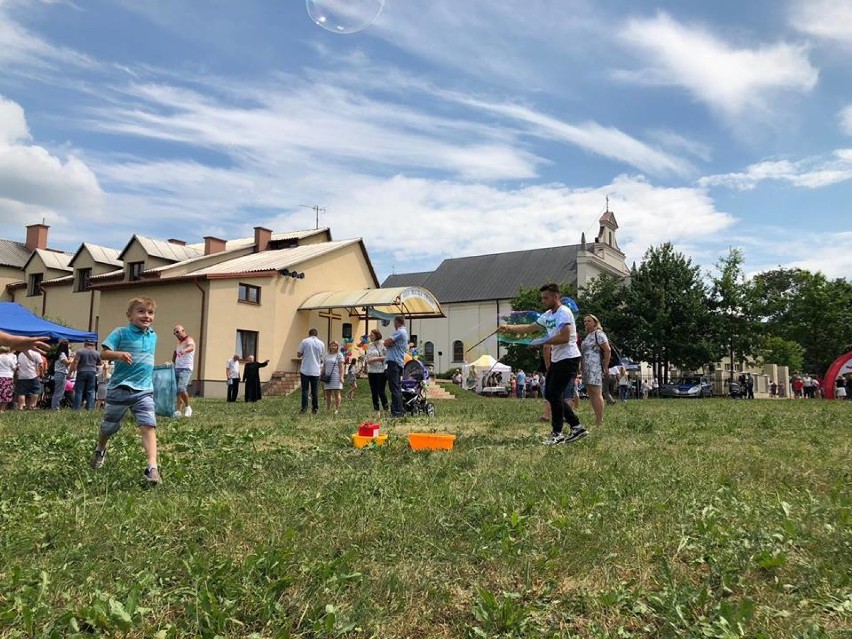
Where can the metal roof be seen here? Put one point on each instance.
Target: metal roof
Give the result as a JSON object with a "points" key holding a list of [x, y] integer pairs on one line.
{"points": [[163, 249], [100, 254], [411, 301], [275, 259], [13, 253], [498, 276], [55, 260]]}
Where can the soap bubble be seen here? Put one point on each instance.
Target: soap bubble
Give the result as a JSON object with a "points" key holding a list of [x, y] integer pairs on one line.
{"points": [[344, 16]]}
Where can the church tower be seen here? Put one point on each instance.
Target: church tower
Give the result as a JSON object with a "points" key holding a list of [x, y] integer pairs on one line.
{"points": [[606, 232], [604, 254]]}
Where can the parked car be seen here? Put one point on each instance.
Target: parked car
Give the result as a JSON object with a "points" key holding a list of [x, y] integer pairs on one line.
{"points": [[687, 387]]}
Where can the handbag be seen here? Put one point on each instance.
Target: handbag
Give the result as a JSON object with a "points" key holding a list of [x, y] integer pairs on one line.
{"points": [[325, 378]]}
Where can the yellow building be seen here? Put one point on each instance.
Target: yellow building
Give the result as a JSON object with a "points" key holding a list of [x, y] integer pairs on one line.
{"points": [[250, 296]]}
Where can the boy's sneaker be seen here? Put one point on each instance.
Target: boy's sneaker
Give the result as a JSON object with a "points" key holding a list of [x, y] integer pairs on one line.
{"points": [[555, 438], [98, 458], [188, 412], [576, 433], [177, 413], [152, 475]]}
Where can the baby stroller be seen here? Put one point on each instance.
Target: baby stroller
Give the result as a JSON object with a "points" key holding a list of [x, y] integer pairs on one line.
{"points": [[736, 390], [415, 378]]}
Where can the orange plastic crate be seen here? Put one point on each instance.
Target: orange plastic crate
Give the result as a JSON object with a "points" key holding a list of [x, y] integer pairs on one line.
{"points": [[431, 441]]}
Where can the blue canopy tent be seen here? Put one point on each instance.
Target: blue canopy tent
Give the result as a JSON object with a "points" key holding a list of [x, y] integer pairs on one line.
{"points": [[17, 320]]}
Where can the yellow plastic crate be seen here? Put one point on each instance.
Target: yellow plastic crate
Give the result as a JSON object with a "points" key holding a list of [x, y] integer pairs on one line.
{"points": [[359, 441]]}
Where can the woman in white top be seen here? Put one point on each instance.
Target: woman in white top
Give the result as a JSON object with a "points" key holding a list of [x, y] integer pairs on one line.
{"points": [[333, 367], [8, 363], [376, 352], [60, 374]]}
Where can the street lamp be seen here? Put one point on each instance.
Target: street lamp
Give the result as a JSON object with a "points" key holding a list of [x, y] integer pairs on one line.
{"points": [[440, 370]]}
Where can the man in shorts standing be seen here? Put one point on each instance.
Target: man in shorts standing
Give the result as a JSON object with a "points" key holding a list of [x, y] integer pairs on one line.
{"points": [[184, 359]]}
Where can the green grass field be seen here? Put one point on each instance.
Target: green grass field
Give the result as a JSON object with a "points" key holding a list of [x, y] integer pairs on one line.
{"points": [[704, 518]]}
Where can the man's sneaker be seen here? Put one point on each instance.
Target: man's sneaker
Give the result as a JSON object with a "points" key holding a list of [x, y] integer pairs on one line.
{"points": [[188, 412], [576, 433], [555, 438], [152, 475], [177, 413], [98, 458]]}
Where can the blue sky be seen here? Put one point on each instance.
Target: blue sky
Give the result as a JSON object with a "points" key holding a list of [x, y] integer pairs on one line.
{"points": [[444, 129]]}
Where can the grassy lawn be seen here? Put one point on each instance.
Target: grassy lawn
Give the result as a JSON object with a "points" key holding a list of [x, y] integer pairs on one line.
{"points": [[703, 518]]}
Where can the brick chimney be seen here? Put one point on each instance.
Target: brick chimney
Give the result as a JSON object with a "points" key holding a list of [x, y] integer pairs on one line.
{"points": [[213, 245], [262, 237], [36, 236], [172, 240]]}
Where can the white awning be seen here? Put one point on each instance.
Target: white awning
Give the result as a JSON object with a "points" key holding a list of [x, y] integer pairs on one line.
{"points": [[410, 301]]}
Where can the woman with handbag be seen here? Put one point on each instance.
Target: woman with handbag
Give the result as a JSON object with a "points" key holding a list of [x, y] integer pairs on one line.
{"points": [[376, 353], [596, 351], [332, 376]]}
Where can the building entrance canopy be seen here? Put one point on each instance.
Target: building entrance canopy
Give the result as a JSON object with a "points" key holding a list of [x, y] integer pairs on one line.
{"points": [[413, 302]]}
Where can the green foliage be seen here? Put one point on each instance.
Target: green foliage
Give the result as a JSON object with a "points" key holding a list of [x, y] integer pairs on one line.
{"points": [[777, 350], [732, 303], [667, 311], [809, 309], [605, 298]]}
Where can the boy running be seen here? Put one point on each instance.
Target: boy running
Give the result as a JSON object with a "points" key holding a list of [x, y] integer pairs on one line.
{"points": [[131, 386]]}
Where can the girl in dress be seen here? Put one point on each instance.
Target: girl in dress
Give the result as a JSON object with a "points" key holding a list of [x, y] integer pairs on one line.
{"points": [[332, 366]]}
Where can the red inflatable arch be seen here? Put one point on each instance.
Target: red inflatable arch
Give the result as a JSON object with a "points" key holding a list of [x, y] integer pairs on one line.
{"points": [[841, 366]]}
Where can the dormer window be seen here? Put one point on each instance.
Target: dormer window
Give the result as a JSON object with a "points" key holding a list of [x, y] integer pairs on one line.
{"points": [[81, 279], [134, 270], [34, 286]]}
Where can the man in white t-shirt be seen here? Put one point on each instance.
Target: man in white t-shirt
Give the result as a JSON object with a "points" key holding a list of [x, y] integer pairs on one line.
{"points": [[184, 359], [564, 364], [232, 374], [311, 350]]}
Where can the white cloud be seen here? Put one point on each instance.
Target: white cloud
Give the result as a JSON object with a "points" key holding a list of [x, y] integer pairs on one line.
{"points": [[469, 219], [284, 124], [824, 19], [33, 182], [811, 173], [846, 120], [592, 137], [494, 40], [734, 81], [798, 248], [22, 52], [826, 252]]}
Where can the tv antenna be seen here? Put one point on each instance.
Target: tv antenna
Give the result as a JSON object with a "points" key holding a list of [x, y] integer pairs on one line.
{"points": [[317, 209]]}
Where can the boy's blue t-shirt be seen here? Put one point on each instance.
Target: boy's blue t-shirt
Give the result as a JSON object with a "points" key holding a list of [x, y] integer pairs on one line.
{"points": [[141, 345]]}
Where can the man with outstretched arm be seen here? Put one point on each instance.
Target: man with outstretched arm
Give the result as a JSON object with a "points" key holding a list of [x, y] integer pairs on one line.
{"points": [[558, 322]]}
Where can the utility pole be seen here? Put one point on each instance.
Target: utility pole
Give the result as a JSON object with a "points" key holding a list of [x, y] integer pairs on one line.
{"points": [[317, 209]]}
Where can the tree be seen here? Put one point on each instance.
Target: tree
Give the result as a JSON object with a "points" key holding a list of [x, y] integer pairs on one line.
{"points": [[605, 298], [519, 355], [809, 309], [731, 303], [777, 350], [667, 312]]}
